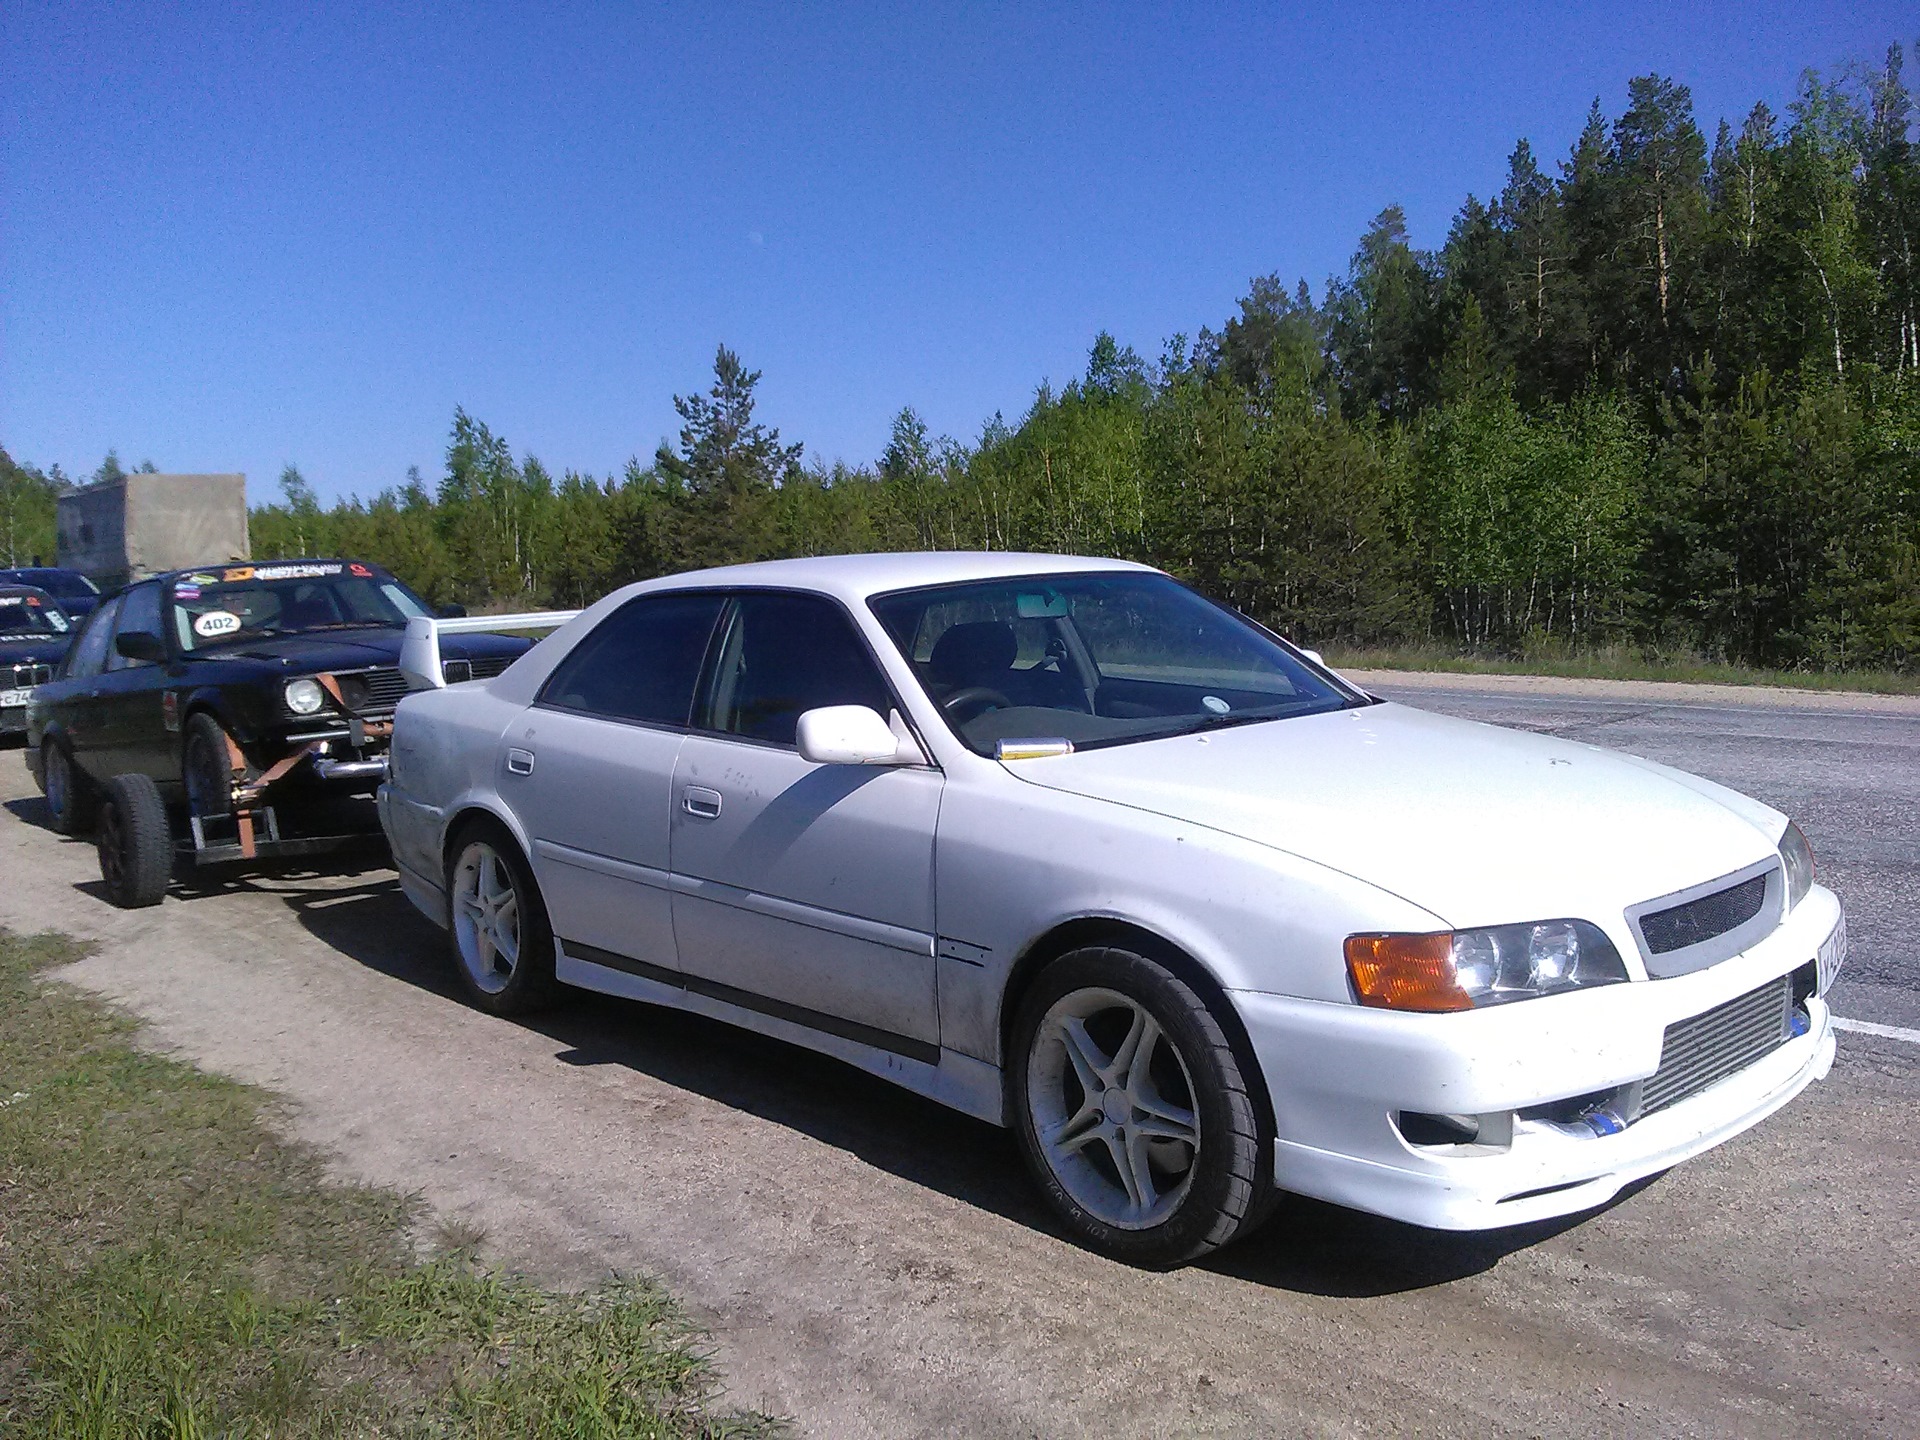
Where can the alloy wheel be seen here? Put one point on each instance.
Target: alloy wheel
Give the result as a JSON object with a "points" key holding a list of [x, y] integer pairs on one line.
{"points": [[1113, 1107], [486, 917]]}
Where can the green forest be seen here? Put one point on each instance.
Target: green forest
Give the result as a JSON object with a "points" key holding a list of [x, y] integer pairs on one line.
{"points": [[1663, 393]]}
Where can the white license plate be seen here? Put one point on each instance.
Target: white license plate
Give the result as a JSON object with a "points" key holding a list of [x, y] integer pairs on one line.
{"points": [[1833, 954], [11, 698]]}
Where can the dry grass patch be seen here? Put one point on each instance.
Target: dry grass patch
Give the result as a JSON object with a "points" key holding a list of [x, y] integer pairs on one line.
{"points": [[171, 1265]]}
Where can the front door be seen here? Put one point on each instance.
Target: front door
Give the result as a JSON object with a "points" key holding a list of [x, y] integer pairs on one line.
{"points": [[588, 769], [132, 738], [78, 707], [803, 890]]}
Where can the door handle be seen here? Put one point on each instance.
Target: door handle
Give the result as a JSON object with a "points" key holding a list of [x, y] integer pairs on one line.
{"points": [[520, 762], [701, 801]]}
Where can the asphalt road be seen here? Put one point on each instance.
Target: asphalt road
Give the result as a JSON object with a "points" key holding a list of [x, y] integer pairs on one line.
{"points": [[1850, 778], [874, 1266]]}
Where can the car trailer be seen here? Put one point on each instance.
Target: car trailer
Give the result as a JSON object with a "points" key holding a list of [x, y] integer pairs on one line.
{"points": [[140, 844]]}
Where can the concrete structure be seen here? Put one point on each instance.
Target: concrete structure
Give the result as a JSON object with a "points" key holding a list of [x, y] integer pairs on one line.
{"points": [[121, 530]]}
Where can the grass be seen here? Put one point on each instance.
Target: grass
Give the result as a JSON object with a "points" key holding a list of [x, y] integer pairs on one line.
{"points": [[1620, 663], [171, 1265]]}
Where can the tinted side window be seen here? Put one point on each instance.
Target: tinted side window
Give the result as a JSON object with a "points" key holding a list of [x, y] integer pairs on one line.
{"points": [[786, 654], [139, 610], [89, 652], [640, 663]]}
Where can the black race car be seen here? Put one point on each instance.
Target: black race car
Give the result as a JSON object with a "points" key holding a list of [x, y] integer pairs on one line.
{"points": [[34, 633], [236, 711], [76, 593]]}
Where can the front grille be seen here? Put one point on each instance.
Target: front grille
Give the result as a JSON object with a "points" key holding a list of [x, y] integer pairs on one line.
{"points": [[481, 667], [25, 677], [372, 692], [1706, 1049], [1704, 919]]}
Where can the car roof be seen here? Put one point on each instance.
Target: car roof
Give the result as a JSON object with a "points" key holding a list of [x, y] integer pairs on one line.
{"points": [[11, 587], [859, 577]]}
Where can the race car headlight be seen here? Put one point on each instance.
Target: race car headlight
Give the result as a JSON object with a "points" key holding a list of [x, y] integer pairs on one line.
{"points": [[1797, 856], [305, 697], [1465, 969]]}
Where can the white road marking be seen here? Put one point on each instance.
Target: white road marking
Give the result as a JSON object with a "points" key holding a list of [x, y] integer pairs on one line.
{"points": [[1885, 1032]]}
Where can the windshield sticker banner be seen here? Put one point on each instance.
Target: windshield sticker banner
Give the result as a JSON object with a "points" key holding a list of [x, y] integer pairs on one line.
{"points": [[216, 622], [290, 572]]}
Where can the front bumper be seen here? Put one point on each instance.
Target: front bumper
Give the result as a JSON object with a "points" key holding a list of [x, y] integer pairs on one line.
{"points": [[1339, 1074]]}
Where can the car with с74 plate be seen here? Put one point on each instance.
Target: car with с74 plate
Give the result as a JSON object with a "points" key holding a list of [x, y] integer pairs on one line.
{"points": [[233, 712], [1063, 845], [35, 631]]}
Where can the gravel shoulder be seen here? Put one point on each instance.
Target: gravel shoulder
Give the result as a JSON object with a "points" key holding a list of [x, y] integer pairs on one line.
{"points": [[872, 1265]]}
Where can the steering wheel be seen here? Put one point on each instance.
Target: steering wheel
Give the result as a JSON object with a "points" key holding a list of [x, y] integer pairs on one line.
{"points": [[974, 699]]}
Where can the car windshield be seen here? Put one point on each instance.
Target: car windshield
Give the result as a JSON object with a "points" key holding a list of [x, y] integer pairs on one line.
{"points": [[213, 607], [1096, 659], [27, 616]]}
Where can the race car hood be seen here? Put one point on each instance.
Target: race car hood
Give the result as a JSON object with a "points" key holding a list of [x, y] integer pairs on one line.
{"points": [[1476, 824], [360, 648]]}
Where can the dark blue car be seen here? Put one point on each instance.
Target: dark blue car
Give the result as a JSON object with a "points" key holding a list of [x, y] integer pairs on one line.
{"points": [[35, 632], [78, 595]]}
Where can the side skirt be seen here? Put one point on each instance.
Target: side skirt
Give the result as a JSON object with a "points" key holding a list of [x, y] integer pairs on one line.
{"points": [[970, 1086]]}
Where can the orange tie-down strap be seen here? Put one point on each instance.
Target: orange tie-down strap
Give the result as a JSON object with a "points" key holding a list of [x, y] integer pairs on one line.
{"points": [[367, 729], [245, 792]]}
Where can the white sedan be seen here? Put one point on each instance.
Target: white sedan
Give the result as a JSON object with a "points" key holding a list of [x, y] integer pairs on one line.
{"points": [[1064, 845]]}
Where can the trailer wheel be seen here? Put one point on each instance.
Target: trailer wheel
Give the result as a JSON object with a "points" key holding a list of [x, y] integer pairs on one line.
{"points": [[136, 843]]}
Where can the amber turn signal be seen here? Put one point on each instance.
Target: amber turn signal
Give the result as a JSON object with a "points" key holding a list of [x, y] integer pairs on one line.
{"points": [[1405, 972]]}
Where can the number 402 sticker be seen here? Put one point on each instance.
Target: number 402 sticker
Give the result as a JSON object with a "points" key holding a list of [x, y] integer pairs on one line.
{"points": [[216, 622]]}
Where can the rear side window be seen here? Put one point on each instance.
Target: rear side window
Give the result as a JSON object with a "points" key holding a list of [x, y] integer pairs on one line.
{"points": [[640, 663]]}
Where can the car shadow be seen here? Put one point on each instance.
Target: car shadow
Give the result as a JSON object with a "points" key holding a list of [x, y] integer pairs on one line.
{"points": [[1316, 1248], [32, 809], [1307, 1247]]}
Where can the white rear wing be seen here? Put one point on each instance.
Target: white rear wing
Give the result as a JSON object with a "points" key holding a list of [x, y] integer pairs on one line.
{"points": [[420, 651]]}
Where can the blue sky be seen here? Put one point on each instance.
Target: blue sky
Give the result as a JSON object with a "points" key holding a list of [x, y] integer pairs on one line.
{"points": [[234, 236]]}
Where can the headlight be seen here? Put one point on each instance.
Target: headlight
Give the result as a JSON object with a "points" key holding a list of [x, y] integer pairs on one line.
{"points": [[1468, 968], [1797, 856], [304, 697]]}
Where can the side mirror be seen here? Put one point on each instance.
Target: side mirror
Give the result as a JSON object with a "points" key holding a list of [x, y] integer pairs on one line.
{"points": [[847, 735], [451, 612], [140, 645], [1314, 656]]}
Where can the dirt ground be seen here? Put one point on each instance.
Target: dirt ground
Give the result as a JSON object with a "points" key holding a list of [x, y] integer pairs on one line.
{"points": [[872, 1265]]}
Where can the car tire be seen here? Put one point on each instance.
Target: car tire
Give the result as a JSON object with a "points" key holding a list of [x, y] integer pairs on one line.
{"points": [[136, 842], [71, 798], [497, 927], [206, 767], [1170, 1159]]}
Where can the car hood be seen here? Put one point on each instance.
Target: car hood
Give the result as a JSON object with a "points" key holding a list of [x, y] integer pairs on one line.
{"points": [[357, 649], [34, 650], [1477, 824]]}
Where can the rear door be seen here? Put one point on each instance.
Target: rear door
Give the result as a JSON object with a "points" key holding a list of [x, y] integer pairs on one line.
{"points": [[803, 890], [588, 770]]}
